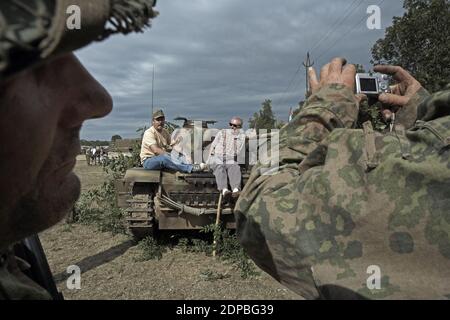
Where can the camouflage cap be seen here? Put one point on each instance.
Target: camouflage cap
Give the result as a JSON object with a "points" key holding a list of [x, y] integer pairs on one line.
{"points": [[35, 30], [158, 113]]}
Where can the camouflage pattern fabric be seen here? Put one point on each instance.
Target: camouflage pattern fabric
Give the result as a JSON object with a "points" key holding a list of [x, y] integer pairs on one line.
{"points": [[14, 284], [345, 200], [34, 30]]}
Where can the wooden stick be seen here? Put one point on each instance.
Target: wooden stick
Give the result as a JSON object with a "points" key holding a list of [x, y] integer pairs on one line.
{"points": [[219, 209]]}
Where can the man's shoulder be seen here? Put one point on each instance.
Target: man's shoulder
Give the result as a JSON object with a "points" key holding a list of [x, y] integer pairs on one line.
{"points": [[219, 134]]}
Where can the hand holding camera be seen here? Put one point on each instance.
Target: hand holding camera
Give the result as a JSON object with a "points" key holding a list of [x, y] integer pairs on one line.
{"points": [[403, 91], [377, 85]]}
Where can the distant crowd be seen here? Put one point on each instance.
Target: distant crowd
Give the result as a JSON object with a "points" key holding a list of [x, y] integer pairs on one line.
{"points": [[96, 155]]}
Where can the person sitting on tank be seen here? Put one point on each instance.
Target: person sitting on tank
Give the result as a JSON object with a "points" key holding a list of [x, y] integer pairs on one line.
{"points": [[225, 151], [157, 146], [183, 147]]}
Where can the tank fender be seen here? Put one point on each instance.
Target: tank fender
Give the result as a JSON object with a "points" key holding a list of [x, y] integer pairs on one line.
{"points": [[142, 175]]}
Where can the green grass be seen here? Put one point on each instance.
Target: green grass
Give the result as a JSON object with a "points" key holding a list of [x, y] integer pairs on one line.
{"points": [[228, 248]]}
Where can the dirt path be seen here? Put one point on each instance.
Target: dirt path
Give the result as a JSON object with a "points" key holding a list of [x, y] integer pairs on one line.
{"points": [[110, 270]]}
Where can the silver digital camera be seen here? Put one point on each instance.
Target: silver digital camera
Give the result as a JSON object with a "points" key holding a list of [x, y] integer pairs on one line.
{"points": [[372, 84]]}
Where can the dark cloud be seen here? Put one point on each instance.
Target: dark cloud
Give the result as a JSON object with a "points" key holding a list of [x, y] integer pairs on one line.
{"points": [[216, 59]]}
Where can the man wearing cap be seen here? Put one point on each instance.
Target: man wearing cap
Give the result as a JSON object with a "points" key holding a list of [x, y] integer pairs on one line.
{"points": [[45, 96], [157, 146]]}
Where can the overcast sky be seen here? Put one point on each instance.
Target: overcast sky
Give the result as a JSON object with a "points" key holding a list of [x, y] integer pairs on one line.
{"points": [[218, 58]]}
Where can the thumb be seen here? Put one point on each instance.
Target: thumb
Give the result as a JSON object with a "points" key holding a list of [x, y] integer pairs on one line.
{"points": [[393, 99]]}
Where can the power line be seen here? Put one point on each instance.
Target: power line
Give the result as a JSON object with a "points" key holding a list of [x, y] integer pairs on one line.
{"points": [[338, 22], [349, 31], [290, 83], [352, 28]]}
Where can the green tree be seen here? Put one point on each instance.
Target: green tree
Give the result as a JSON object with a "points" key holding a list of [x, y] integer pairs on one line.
{"points": [[115, 137], [264, 119], [94, 143], [280, 124], [360, 68], [419, 42]]}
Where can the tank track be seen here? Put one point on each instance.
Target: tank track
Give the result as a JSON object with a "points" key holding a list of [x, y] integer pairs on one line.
{"points": [[140, 216]]}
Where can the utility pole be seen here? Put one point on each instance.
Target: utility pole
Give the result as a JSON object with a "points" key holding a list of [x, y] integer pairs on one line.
{"points": [[307, 64], [153, 82]]}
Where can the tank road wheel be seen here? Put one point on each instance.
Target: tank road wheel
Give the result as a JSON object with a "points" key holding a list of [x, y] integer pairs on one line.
{"points": [[140, 216]]}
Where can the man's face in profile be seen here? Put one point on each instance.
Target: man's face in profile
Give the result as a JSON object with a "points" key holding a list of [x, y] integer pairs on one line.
{"points": [[42, 111]]}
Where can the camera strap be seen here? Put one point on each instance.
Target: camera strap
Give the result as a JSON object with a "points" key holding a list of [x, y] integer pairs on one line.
{"points": [[392, 123]]}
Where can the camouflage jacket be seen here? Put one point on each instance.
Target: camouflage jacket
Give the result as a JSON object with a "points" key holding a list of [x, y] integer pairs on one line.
{"points": [[353, 213], [14, 284]]}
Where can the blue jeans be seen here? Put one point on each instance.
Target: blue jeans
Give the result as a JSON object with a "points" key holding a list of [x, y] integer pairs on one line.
{"points": [[166, 161]]}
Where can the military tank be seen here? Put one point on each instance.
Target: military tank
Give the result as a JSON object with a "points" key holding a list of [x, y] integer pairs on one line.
{"points": [[164, 200]]}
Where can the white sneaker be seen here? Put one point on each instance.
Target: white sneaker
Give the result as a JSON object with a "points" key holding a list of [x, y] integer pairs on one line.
{"points": [[235, 190], [225, 191], [203, 166]]}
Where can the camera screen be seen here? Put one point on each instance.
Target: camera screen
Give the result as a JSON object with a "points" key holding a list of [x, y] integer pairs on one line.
{"points": [[368, 84]]}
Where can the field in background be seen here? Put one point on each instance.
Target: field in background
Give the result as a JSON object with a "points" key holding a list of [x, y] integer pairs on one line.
{"points": [[111, 270]]}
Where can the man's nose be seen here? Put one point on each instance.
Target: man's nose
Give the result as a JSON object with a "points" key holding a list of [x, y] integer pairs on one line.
{"points": [[95, 102], [85, 98]]}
